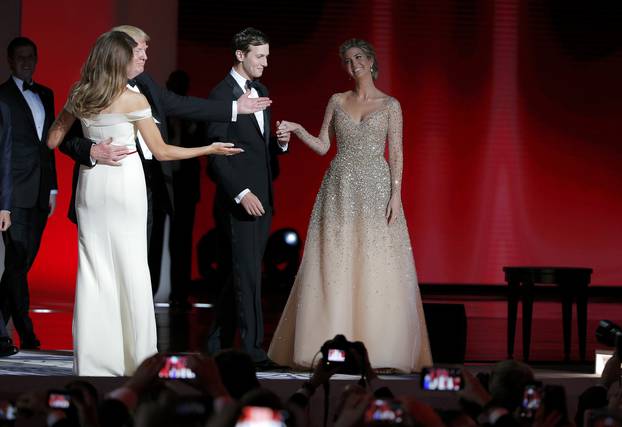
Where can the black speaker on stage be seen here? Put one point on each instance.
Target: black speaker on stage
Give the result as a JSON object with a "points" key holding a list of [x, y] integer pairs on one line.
{"points": [[447, 330]]}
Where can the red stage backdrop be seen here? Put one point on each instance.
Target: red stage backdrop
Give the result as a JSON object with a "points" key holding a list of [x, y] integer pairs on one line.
{"points": [[511, 108]]}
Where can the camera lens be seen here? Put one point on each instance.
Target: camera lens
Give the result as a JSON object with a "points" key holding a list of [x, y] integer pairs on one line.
{"points": [[606, 332]]}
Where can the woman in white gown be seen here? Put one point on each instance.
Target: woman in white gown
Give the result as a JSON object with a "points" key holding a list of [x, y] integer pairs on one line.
{"points": [[357, 276], [114, 321]]}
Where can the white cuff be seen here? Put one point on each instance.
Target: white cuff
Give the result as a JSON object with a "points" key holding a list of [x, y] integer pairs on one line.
{"points": [[234, 111], [240, 196], [53, 192]]}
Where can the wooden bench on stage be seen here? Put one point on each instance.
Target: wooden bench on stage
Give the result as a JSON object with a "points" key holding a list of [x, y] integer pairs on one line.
{"points": [[501, 292]]}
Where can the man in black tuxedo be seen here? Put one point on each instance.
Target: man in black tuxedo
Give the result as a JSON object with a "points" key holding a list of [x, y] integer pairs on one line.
{"points": [[164, 103], [34, 182], [6, 189], [244, 199]]}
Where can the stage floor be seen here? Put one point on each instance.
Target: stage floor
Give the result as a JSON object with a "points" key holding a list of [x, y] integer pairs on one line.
{"points": [[185, 331]]}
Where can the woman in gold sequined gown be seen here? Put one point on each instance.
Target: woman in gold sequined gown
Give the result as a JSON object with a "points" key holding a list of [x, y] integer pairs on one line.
{"points": [[357, 276]]}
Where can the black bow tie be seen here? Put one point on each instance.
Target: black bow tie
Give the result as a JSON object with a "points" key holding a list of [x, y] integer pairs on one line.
{"points": [[30, 86], [131, 82], [251, 84]]}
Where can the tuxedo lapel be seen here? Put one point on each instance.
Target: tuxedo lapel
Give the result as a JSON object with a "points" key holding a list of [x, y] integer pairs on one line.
{"points": [[266, 113], [237, 92], [144, 89], [19, 99], [48, 106], [266, 124]]}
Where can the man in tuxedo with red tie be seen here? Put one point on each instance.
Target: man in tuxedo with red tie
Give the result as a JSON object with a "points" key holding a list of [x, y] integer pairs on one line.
{"points": [[244, 200], [34, 183]]}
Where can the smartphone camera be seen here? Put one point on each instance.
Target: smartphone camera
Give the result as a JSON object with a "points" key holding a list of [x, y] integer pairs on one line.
{"points": [[8, 411], [175, 368], [59, 399], [384, 411], [441, 379], [532, 397], [258, 416]]}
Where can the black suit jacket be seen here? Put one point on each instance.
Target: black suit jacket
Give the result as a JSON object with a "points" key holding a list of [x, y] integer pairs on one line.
{"points": [[250, 169], [164, 103], [33, 167], [6, 179]]}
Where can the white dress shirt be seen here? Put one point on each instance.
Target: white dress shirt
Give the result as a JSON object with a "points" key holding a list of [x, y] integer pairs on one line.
{"points": [[147, 154], [36, 106], [241, 81]]}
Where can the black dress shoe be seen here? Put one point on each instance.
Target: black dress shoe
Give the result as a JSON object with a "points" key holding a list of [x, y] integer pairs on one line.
{"points": [[6, 347], [31, 345], [270, 365]]}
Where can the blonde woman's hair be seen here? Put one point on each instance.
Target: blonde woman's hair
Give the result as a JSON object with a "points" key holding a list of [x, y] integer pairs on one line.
{"points": [[367, 49], [104, 75], [134, 32]]}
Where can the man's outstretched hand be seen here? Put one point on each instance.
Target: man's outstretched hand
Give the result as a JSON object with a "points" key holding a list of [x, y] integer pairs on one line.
{"points": [[248, 105]]}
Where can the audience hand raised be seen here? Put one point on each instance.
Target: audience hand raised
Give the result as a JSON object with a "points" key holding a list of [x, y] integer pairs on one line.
{"points": [[207, 376], [146, 374], [354, 402], [474, 391]]}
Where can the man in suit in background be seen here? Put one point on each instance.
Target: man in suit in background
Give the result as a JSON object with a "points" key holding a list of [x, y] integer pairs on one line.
{"points": [[164, 103], [244, 200], [34, 183], [6, 188]]}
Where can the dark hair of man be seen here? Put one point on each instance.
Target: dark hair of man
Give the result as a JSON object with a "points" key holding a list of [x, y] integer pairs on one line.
{"points": [[19, 42], [246, 38]]}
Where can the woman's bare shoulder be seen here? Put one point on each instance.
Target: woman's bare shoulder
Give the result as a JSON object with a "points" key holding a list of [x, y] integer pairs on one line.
{"points": [[128, 102]]}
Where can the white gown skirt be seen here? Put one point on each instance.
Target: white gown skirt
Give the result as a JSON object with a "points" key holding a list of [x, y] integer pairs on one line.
{"points": [[114, 326]]}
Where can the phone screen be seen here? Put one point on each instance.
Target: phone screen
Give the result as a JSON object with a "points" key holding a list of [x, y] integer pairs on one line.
{"points": [[336, 355], [59, 399], [384, 411], [175, 368], [441, 379], [8, 412], [532, 396], [257, 416]]}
